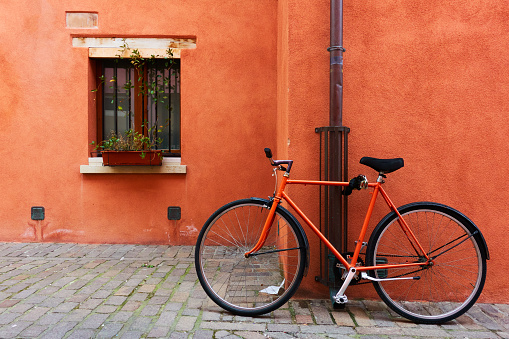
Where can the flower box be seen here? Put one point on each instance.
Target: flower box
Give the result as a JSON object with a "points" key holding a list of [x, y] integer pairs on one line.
{"points": [[132, 158]]}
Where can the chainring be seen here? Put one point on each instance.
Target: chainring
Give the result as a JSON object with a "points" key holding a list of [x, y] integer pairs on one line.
{"points": [[340, 271]]}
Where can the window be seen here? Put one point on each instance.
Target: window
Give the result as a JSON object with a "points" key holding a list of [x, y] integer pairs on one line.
{"points": [[139, 98]]}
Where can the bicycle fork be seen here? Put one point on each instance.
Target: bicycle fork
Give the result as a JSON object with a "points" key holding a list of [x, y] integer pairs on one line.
{"points": [[265, 230], [270, 218]]}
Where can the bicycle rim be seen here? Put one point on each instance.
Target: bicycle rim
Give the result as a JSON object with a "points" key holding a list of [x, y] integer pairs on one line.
{"points": [[444, 290], [254, 285]]}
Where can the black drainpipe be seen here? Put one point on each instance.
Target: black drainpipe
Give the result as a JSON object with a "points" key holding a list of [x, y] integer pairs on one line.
{"points": [[334, 159], [336, 63]]}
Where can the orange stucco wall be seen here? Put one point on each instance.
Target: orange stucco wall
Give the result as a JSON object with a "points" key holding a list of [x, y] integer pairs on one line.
{"points": [[228, 101], [424, 80]]}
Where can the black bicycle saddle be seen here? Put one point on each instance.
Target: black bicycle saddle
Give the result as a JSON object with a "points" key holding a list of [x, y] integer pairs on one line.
{"points": [[383, 165]]}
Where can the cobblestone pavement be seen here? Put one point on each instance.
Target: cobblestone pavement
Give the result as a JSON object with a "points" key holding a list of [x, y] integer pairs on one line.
{"points": [[135, 291]]}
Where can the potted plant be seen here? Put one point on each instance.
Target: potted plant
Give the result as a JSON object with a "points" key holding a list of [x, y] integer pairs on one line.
{"points": [[131, 149]]}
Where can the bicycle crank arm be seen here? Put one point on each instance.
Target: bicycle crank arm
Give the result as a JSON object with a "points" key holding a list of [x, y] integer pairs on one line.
{"points": [[364, 275]]}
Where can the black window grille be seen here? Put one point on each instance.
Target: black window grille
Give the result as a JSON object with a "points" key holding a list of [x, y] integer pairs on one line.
{"points": [[142, 98]]}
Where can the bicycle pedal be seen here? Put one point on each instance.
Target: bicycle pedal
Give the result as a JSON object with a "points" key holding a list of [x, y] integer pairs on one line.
{"points": [[338, 306]]}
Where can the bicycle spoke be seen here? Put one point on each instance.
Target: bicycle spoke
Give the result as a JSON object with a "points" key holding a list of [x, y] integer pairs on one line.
{"points": [[436, 256]]}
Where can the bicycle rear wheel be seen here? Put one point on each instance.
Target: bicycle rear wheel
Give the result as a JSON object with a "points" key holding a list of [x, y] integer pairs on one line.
{"points": [[258, 284], [444, 290]]}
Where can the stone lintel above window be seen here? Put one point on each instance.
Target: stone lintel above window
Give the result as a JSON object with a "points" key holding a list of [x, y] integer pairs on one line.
{"points": [[158, 53], [134, 43]]}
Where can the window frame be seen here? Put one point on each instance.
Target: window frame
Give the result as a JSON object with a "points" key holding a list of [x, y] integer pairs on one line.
{"points": [[141, 101]]}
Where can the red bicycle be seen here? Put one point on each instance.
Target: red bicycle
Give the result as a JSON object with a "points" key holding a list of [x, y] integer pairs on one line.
{"points": [[427, 261]]}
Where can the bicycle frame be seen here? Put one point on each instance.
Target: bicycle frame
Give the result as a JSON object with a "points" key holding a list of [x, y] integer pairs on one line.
{"points": [[280, 195]]}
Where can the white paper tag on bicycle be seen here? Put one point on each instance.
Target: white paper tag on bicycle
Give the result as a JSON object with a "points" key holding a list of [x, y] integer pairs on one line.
{"points": [[273, 289]]}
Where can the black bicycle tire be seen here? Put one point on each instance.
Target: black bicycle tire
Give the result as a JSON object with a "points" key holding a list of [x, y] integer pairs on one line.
{"points": [[243, 311], [478, 245]]}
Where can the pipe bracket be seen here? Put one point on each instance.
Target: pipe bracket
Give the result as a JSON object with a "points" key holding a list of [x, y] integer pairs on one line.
{"points": [[336, 48]]}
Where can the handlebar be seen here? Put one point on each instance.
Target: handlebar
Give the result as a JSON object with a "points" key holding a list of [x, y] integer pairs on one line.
{"points": [[278, 163]]}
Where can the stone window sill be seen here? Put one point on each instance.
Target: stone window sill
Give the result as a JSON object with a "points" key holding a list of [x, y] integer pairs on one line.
{"points": [[169, 166]]}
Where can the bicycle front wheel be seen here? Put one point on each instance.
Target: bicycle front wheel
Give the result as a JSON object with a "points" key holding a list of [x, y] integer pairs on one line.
{"points": [[442, 290], [260, 283]]}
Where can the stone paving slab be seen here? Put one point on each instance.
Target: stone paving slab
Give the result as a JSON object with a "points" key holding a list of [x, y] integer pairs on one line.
{"points": [[138, 291]]}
